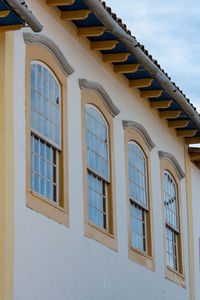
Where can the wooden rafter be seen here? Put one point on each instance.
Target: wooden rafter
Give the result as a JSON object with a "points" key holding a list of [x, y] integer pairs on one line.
{"points": [[140, 83], [126, 68], [11, 27], [160, 104], [169, 114], [192, 140], [151, 93], [195, 157], [186, 132], [197, 164], [115, 57], [91, 31], [4, 13], [60, 2], [75, 14], [178, 123], [104, 45]]}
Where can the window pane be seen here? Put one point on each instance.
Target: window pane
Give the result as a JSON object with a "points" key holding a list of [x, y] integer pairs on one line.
{"points": [[138, 227], [97, 201], [172, 248], [171, 219], [33, 77], [170, 200], [137, 174], [97, 141], [45, 103], [44, 169]]}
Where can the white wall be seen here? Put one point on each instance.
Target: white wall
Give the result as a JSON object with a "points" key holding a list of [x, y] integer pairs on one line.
{"points": [[195, 175], [54, 262]]}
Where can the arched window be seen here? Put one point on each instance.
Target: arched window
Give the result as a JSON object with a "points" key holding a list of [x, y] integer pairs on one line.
{"points": [[98, 169], [97, 152], [171, 220], [138, 195], [138, 145], [46, 135], [45, 131]]}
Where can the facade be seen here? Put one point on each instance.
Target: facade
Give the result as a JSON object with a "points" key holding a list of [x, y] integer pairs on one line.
{"points": [[194, 207], [99, 194], [195, 177]]}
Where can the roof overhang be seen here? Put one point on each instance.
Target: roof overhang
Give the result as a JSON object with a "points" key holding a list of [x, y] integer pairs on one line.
{"points": [[14, 15], [107, 34], [194, 153]]}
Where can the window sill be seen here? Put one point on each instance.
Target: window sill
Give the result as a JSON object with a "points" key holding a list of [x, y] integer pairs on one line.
{"points": [[101, 236], [47, 208], [175, 276], [141, 258]]}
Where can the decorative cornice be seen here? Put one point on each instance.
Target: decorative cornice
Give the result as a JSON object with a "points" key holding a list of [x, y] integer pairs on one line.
{"points": [[50, 45], [97, 88], [141, 130], [174, 162]]}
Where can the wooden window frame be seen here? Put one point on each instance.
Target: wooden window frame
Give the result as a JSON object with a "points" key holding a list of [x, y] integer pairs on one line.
{"points": [[107, 238], [170, 273], [134, 254], [59, 213]]}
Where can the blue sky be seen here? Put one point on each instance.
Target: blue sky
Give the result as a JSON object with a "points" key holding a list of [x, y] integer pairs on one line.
{"points": [[170, 31]]}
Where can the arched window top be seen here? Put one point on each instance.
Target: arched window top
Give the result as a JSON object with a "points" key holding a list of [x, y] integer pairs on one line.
{"points": [[44, 68], [97, 142], [45, 103], [137, 167], [138, 149], [96, 113], [170, 200], [139, 128]]}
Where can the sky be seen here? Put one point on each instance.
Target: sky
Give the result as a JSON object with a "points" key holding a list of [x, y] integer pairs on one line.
{"points": [[170, 31]]}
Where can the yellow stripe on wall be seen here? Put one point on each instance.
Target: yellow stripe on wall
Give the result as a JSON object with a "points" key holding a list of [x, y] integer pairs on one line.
{"points": [[190, 222], [6, 166]]}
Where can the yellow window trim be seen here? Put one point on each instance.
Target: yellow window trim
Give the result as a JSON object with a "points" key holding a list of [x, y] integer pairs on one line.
{"points": [[6, 166], [108, 239], [34, 200], [171, 274], [146, 260]]}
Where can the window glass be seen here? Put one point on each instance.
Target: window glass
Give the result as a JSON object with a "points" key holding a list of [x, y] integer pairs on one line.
{"points": [[137, 175], [45, 132], [170, 201], [97, 142], [138, 227], [97, 200], [44, 169], [171, 220], [45, 103], [98, 166], [172, 251]]}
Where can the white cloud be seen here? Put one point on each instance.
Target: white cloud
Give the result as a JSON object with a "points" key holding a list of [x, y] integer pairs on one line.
{"points": [[170, 31]]}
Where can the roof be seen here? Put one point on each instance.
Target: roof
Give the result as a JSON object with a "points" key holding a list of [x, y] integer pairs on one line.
{"points": [[109, 35], [14, 14]]}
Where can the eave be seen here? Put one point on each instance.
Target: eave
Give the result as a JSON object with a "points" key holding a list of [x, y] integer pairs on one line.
{"points": [[194, 153], [108, 35], [15, 15]]}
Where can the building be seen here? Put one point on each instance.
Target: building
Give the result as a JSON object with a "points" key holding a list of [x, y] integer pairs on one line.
{"points": [[99, 193]]}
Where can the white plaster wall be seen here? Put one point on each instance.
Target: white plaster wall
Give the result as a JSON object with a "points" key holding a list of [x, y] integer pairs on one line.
{"points": [[195, 175], [54, 262]]}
